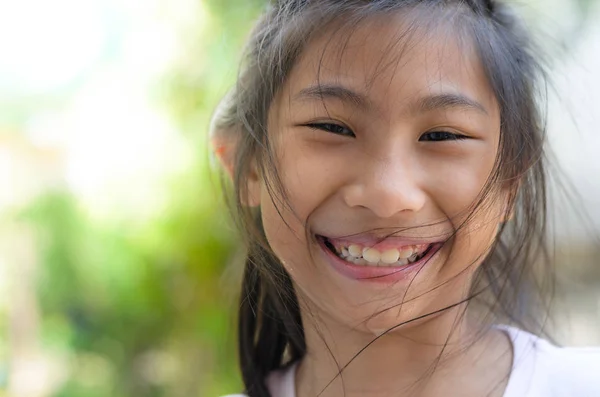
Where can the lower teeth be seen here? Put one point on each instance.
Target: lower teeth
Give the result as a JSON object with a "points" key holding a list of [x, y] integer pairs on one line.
{"points": [[362, 261]]}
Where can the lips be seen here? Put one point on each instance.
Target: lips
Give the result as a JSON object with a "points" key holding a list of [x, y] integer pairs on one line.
{"points": [[375, 262]]}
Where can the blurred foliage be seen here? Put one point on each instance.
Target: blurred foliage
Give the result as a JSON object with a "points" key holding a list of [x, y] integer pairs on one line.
{"points": [[140, 308], [211, 66]]}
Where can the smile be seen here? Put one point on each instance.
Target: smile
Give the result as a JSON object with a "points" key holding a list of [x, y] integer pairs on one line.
{"points": [[378, 262], [371, 256]]}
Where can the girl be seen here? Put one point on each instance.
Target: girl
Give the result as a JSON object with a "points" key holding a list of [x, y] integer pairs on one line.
{"points": [[389, 175]]}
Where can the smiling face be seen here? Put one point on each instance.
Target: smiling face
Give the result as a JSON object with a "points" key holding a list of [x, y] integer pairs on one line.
{"points": [[383, 149]]}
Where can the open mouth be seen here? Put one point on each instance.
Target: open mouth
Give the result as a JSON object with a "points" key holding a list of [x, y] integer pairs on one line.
{"points": [[357, 254]]}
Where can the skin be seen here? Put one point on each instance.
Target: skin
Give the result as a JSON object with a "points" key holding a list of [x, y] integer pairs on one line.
{"points": [[223, 137], [375, 171]]}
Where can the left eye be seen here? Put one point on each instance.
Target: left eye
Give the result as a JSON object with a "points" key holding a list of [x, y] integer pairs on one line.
{"points": [[436, 136]]}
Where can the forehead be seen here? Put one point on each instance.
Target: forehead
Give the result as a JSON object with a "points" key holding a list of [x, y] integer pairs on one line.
{"points": [[394, 59]]}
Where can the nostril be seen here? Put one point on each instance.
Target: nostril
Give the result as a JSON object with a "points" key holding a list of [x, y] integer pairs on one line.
{"points": [[386, 198]]}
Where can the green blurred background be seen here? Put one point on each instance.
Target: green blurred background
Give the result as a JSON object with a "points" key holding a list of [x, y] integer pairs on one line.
{"points": [[119, 266]]}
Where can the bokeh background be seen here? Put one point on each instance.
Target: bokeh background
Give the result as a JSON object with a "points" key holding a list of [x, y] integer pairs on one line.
{"points": [[118, 264]]}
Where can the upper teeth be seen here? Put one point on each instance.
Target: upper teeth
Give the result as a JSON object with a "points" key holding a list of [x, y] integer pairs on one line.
{"points": [[372, 256]]}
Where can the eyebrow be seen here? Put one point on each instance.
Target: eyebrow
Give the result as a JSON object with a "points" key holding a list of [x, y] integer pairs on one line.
{"points": [[333, 91], [447, 100]]}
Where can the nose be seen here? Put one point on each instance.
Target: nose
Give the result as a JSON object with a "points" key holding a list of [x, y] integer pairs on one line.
{"points": [[386, 187]]}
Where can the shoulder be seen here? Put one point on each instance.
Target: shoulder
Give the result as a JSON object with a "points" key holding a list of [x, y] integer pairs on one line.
{"points": [[549, 370], [570, 370]]}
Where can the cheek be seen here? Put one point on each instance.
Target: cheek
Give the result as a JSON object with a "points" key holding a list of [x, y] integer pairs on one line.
{"points": [[456, 190], [309, 173], [455, 183], [284, 221], [308, 176], [476, 231], [283, 228], [287, 236]]}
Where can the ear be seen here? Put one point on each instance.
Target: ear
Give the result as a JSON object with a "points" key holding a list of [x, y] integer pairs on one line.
{"points": [[223, 145]]}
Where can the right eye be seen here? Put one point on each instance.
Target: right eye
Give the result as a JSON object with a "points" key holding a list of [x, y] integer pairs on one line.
{"points": [[332, 128]]}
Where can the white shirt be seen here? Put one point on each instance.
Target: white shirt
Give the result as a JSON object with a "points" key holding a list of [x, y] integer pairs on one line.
{"points": [[539, 369]]}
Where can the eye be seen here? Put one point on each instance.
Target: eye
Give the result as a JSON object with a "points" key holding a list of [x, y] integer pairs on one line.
{"points": [[437, 136], [332, 128]]}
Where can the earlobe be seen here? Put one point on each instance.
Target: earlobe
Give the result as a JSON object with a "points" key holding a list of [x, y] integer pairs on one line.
{"points": [[224, 143]]}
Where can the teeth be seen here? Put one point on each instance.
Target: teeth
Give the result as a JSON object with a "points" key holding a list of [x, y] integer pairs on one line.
{"points": [[358, 261], [371, 255], [406, 252], [390, 256], [355, 250]]}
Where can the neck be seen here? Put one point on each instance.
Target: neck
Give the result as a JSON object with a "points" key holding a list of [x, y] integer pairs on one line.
{"points": [[431, 355]]}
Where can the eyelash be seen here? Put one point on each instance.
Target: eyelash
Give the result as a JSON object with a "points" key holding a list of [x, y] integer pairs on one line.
{"points": [[334, 128], [331, 127], [449, 136]]}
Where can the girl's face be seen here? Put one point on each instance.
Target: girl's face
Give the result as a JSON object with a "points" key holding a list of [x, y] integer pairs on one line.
{"points": [[383, 147]]}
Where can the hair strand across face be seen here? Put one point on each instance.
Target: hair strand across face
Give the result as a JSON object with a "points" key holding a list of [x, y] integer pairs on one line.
{"points": [[271, 333]]}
